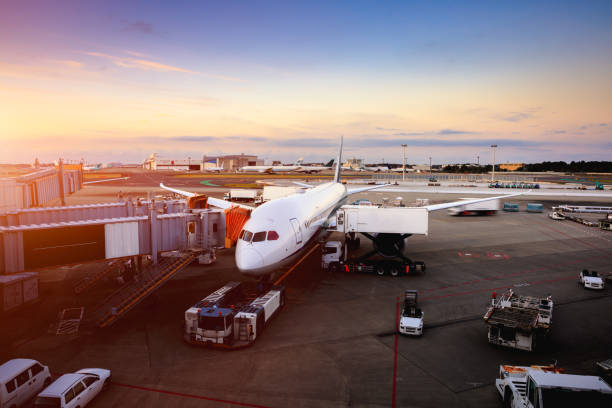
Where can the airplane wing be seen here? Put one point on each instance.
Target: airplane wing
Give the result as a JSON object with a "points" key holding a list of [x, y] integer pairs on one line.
{"points": [[435, 207], [217, 202], [362, 189], [103, 181], [303, 184]]}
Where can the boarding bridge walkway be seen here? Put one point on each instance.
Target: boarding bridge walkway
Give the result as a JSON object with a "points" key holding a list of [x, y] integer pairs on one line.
{"points": [[143, 284]]}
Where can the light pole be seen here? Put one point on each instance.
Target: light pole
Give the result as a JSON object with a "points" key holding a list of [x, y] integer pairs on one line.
{"points": [[404, 163], [430, 165], [478, 160], [493, 146]]}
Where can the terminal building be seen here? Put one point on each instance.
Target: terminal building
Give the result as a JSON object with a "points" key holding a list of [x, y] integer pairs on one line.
{"points": [[228, 163]]}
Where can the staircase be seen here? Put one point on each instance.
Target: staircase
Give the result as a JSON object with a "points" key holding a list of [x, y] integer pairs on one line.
{"points": [[151, 278], [90, 281]]}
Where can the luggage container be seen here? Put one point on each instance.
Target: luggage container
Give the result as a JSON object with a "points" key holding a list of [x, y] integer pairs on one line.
{"points": [[17, 290], [511, 207], [534, 207]]}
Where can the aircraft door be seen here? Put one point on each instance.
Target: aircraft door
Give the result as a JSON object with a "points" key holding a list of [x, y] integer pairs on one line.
{"points": [[296, 230]]}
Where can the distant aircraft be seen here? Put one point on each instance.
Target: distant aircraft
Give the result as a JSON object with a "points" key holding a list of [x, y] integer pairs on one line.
{"points": [[376, 169], [316, 169], [279, 230], [272, 169]]}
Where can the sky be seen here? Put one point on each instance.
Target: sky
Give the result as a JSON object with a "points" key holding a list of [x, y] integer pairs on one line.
{"points": [[117, 81]]}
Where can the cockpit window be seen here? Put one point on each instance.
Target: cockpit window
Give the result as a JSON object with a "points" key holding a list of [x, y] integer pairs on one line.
{"points": [[247, 236], [259, 236], [272, 235]]}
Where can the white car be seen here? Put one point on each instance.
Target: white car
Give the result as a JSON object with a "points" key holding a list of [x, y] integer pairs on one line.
{"points": [[556, 216], [75, 389], [412, 325], [591, 280]]}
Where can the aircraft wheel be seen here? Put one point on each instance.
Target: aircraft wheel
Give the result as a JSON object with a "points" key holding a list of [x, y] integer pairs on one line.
{"points": [[380, 270], [394, 271]]}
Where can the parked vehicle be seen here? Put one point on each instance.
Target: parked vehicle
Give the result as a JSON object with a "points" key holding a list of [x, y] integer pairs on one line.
{"points": [[411, 320], [591, 279], [20, 380], [483, 208], [75, 389]]}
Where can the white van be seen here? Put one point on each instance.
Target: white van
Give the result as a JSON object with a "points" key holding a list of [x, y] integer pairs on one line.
{"points": [[74, 390], [20, 380]]}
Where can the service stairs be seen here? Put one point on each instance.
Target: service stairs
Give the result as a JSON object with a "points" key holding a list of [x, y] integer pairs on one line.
{"points": [[89, 282], [146, 282]]}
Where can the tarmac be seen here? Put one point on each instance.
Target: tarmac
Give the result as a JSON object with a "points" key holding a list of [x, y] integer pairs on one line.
{"points": [[333, 344]]}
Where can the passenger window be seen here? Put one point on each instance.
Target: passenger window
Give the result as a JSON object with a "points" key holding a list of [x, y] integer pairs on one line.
{"points": [[10, 386], [36, 368], [23, 378], [272, 235], [259, 236], [89, 380], [78, 388], [69, 396]]}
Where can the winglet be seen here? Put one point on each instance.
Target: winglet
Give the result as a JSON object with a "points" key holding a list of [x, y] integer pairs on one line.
{"points": [[339, 162]]}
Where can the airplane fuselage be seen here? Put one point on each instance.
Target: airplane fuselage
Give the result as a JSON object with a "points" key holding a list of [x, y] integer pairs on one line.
{"points": [[280, 229]]}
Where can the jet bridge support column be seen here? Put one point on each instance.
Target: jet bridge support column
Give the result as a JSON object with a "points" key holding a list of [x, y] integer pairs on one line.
{"points": [[154, 238]]}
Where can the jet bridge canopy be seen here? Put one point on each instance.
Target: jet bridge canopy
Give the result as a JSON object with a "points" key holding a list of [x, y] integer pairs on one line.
{"points": [[392, 220]]}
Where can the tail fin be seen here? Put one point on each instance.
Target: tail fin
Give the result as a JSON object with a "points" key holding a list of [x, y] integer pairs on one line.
{"points": [[299, 161], [329, 163], [339, 162]]}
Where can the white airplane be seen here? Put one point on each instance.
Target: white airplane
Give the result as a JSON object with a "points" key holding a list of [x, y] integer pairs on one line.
{"points": [[272, 169], [316, 169], [279, 230], [376, 169]]}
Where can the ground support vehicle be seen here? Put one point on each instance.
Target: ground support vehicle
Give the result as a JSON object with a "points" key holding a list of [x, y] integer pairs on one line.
{"points": [[483, 208], [74, 390], [386, 227], [335, 258], [546, 387], [519, 322], [228, 318], [411, 319], [241, 195], [591, 279]]}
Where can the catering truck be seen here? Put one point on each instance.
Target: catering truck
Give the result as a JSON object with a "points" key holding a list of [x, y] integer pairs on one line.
{"points": [[227, 318], [241, 195], [548, 387], [519, 322], [483, 208], [336, 258]]}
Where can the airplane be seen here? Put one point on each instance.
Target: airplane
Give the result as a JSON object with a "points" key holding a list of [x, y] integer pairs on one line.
{"points": [[376, 169], [272, 169], [279, 231], [316, 169]]}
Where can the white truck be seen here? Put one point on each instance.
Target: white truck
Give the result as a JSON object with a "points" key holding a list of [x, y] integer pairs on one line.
{"points": [[483, 208], [274, 192], [519, 322], [240, 195], [547, 387], [411, 319], [228, 319], [591, 279]]}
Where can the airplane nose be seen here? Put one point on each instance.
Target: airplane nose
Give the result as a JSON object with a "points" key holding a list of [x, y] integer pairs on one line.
{"points": [[248, 259]]}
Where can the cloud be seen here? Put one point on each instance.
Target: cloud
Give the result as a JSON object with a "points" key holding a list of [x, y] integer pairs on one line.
{"points": [[517, 116], [559, 132], [307, 142], [409, 134], [386, 129], [368, 142], [150, 65], [456, 132], [139, 26], [69, 63]]}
